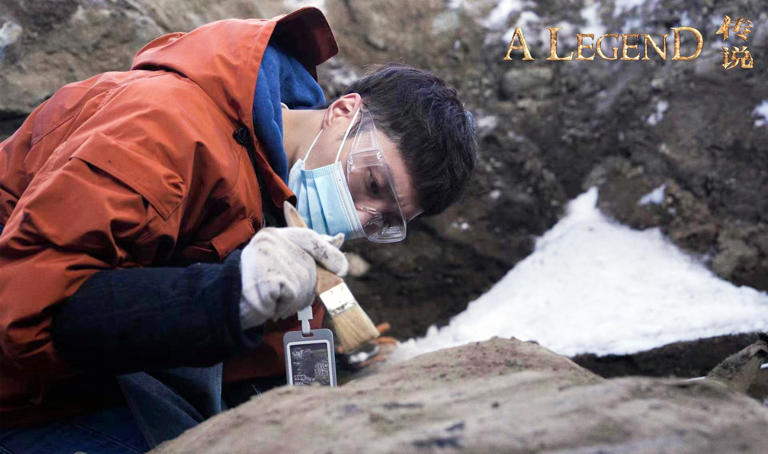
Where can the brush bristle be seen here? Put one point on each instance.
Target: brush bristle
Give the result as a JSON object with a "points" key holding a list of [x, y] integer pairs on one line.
{"points": [[353, 327]]}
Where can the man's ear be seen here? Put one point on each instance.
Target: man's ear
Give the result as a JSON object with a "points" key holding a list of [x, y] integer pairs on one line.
{"points": [[342, 110]]}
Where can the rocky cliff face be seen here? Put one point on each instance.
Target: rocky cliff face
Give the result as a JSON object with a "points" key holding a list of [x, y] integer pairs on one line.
{"points": [[548, 130], [45, 44], [495, 396]]}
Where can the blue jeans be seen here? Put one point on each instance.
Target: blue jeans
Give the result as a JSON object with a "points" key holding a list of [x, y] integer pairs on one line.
{"points": [[112, 430], [168, 402], [160, 406]]}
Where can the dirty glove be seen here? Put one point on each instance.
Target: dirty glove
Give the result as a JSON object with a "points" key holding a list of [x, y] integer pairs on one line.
{"points": [[278, 271]]}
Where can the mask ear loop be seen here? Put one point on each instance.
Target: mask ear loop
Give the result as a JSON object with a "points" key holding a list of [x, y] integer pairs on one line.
{"points": [[312, 144], [349, 128]]}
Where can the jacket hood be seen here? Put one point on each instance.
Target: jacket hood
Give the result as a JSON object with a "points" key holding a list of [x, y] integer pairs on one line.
{"points": [[223, 57]]}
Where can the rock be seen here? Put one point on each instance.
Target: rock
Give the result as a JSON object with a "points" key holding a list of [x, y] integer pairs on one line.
{"points": [[520, 82], [740, 370], [495, 396], [45, 44], [686, 359]]}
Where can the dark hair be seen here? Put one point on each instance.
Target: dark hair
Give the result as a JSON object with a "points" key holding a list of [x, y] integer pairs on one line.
{"points": [[426, 120]]}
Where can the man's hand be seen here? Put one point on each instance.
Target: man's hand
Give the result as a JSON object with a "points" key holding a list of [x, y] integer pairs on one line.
{"points": [[278, 271]]}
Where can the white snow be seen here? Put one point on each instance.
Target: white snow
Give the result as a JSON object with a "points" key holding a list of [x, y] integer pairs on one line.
{"points": [[657, 116], [685, 19], [566, 36], [343, 75], [460, 226], [498, 16], [761, 112], [295, 4], [623, 6], [486, 123], [494, 194], [593, 22], [527, 21], [634, 13], [655, 197], [9, 34], [593, 285]]}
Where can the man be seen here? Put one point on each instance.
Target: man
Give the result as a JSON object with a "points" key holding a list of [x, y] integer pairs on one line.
{"points": [[125, 199]]}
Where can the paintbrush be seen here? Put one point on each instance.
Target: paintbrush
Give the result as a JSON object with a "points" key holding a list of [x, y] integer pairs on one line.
{"points": [[352, 325]]}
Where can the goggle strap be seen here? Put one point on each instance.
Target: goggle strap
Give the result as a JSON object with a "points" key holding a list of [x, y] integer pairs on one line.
{"points": [[346, 134]]}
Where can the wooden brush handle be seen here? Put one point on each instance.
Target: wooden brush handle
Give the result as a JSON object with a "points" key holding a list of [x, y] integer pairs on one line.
{"points": [[325, 279]]}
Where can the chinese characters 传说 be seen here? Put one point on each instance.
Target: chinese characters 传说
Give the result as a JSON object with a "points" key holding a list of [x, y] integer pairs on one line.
{"points": [[736, 56]]}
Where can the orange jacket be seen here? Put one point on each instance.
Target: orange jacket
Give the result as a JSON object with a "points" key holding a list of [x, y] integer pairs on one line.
{"points": [[136, 169]]}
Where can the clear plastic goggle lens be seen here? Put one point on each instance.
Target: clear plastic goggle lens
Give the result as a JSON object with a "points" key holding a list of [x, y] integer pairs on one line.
{"points": [[372, 187]]}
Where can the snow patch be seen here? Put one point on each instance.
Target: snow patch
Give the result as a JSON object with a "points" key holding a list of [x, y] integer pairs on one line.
{"points": [[592, 285], [655, 197], [296, 4], [593, 22], [527, 21], [624, 6], [9, 34], [499, 15], [460, 225], [632, 24], [685, 19], [515, 136], [567, 34], [495, 194], [343, 75], [656, 117], [454, 4], [761, 112], [486, 124]]}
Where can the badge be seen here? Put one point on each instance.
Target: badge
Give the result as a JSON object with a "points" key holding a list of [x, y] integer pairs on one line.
{"points": [[309, 354]]}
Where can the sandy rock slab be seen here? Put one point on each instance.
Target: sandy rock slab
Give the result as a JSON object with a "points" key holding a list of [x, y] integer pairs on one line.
{"points": [[495, 396]]}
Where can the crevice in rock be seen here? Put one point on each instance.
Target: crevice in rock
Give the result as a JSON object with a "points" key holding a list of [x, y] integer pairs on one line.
{"points": [[681, 359]]}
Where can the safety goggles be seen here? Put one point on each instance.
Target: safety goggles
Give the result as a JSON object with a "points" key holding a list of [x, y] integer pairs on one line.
{"points": [[372, 186]]}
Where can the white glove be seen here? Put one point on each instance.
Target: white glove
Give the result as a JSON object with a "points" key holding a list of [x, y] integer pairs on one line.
{"points": [[279, 273]]}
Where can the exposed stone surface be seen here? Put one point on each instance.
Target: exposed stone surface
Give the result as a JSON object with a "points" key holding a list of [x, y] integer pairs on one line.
{"points": [[548, 130], [495, 396]]}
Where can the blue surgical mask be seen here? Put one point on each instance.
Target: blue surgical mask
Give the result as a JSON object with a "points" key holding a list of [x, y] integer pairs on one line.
{"points": [[322, 195]]}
